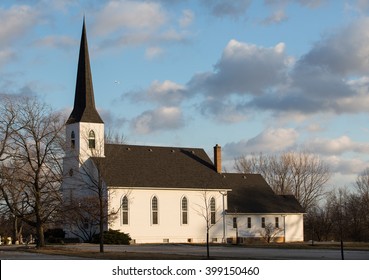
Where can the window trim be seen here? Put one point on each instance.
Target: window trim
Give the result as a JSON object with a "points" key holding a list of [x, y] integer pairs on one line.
{"points": [[72, 140], [235, 225], [125, 210], [212, 211], [92, 139], [154, 212], [184, 211]]}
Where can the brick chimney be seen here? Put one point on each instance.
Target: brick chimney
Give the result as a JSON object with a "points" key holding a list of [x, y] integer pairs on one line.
{"points": [[218, 158]]}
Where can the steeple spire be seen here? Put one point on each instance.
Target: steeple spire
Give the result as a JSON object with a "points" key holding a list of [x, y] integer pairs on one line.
{"points": [[84, 109]]}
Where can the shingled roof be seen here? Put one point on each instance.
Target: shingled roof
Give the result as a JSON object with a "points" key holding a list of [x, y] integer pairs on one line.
{"points": [[174, 167], [159, 167], [252, 194]]}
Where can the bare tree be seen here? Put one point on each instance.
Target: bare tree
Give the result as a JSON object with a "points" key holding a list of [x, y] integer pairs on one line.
{"points": [[208, 210], [33, 165], [269, 232], [94, 216], [8, 114], [302, 174], [362, 183]]}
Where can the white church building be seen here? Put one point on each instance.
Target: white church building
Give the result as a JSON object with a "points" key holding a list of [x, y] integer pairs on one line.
{"points": [[166, 194]]}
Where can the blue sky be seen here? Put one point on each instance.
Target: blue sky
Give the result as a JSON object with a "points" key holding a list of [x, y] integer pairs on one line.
{"points": [[253, 76]]}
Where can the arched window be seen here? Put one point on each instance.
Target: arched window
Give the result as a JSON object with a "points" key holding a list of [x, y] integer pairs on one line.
{"points": [[125, 210], [212, 211], [72, 140], [184, 208], [91, 140], [154, 211]]}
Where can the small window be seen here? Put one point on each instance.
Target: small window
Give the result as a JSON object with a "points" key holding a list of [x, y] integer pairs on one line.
{"points": [[263, 222], [248, 222], [184, 208], [73, 140], [276, 222], [125, 210], [235, 222], [212, 211], [154, 211], [91, 140]]}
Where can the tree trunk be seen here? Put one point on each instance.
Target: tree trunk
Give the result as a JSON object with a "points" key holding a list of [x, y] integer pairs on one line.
{"points": [[207, 244], [40, 236], [101, 218]]}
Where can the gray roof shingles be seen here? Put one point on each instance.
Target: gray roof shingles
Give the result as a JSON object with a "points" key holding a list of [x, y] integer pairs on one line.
{"points": [[174, 167]]}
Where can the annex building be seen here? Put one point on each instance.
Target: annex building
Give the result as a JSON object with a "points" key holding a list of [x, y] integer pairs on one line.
{"points": [[163, 194]]}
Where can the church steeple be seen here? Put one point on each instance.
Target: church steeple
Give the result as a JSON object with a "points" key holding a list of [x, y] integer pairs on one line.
{"points": [[84, 109]]}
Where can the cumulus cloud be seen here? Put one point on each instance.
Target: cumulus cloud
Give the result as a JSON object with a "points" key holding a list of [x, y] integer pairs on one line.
{"points": [[222, 110], [164, 93], [243, 69], [346, 166], [164, 118], [344, 52], [337, 146], [270, 140], [322, 80]]}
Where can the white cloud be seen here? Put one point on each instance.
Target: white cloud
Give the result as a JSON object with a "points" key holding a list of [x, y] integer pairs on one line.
{"points": [[337, 146], [6, 55], [153, 52], [15, 22], [322, 80], [243, 69], [226, 8], [344, 52], [118, 15], [187, 18], [164, 118], [164, 93], [271, 140], [275, 18], [125, 23], [346, 166], [63, 42]]}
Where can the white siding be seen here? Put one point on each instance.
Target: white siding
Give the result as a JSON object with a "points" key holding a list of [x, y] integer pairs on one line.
{"points": [[169, 227], [290, 226]]}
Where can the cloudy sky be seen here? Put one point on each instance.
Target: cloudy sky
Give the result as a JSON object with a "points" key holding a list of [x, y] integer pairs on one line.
{"points": [[253, 76]]}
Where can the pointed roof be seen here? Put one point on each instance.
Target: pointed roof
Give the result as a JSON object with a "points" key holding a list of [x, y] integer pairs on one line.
{"points": [[84, 109], [132, 166]]}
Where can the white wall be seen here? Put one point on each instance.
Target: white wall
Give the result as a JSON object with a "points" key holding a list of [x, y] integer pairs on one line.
{"points": [[294, 227], [140, 226], [290, 226]]}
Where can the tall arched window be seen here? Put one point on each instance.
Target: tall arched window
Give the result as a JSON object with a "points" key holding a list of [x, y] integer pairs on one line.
{"points": [[212, 211], [184, 208], [72, 140], [125, 210], [154, 211], [91, 140]]}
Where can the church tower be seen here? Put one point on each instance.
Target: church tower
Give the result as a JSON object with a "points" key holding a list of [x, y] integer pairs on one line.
{"points": [[84, 127]]}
